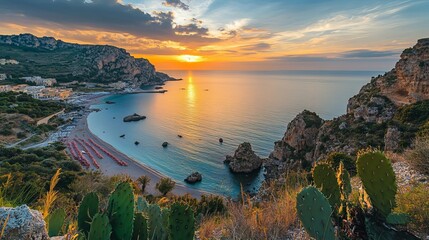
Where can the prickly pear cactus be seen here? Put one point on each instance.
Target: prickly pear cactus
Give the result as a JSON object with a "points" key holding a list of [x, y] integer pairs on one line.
{"points": [[121, 211], [378, 179], [165, 216], [87, 209], [142, 204], [181, 222], [140, 227], [100, 227], [398, 219], [56, 222], [315, 212], [343, 179], [155, 222], [325, 179]]}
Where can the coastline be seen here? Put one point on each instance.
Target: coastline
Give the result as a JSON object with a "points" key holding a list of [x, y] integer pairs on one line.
{"points": [[109, 167]]}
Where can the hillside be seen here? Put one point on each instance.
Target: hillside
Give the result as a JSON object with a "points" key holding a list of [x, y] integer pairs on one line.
{"points": [[387, 114], [51, 58]]}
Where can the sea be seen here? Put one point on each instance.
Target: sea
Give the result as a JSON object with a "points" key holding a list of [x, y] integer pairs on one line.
{"points": [[237, 106]]}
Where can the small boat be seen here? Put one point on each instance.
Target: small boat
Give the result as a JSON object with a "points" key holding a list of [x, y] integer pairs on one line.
{"points": [[220, 140], [136, 143], [180, 136], [123, 135], [164, 144]]}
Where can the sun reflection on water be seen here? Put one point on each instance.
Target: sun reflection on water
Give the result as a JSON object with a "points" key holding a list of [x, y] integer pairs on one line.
{"points": [[191, 95]]}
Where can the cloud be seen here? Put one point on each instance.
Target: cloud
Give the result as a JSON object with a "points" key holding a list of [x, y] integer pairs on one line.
{"points": [[257, 47], [176, 3], [365, 53], [104, 15]]}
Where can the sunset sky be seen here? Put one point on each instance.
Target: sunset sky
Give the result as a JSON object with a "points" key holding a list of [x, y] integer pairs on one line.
{"points": [[232, 34]]}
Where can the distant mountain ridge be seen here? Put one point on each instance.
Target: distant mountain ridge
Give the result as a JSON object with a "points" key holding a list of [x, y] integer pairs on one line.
{"points": [[49, 57]]}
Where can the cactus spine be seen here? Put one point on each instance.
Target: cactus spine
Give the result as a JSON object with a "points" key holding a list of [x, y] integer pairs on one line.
{"points": [[87, 209], [181, 222], [140, 227], [121, 211], [378, 179], [56, 222], [325, 179], [315, 212], [100, 228]]}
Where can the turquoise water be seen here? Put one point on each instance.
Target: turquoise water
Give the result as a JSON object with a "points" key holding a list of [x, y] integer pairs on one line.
{"points": [[206, 105]]}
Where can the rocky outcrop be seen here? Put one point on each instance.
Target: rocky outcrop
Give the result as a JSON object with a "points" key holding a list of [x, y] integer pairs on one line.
{"points": [[23, 223], [99, 63], [194, 177], [133, 118], [370, 119], [244, 160], [299, 138]]}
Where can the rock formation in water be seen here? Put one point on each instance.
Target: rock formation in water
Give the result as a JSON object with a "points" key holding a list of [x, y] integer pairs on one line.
{"points": [[133, 118], [70, 61], [244, 160], [373, 118], [194, 177]]}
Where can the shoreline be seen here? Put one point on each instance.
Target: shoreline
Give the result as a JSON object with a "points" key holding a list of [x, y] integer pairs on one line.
{"points": [[109, 167]]}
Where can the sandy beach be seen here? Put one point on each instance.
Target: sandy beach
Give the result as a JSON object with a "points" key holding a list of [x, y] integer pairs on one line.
{"points": [[85, 140]]}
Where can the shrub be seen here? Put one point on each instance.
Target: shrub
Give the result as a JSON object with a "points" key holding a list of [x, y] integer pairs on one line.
{"points": [[335, 158], [144, 181], [415, 203], [418, 157], [165, 185]]}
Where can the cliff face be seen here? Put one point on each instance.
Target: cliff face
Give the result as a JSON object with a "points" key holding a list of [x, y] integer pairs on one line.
{"points": [[371, 119], [99, 63]]}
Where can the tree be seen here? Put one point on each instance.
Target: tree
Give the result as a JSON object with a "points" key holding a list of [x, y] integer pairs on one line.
{"points": [[144, 181], [165, 185]]}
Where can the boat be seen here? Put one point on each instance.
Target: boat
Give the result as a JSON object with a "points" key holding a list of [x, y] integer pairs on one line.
{"points": [[136, 143], [123, 135]]}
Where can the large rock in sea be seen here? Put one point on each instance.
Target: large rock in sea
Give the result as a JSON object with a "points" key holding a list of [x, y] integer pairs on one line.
{"points": [[194, 177], [244, 160], [134, 118], [23, 223]]}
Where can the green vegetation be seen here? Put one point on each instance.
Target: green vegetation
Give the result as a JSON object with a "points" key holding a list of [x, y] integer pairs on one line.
{"points": [[31, 172], [335, 158], [416, 114], [11, 102], [418, 157], [376, 202], [165, 185], [311, 119]]}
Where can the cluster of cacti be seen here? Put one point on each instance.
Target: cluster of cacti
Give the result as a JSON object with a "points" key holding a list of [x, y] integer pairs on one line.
{"points": [[377, 199], [126, 219]]}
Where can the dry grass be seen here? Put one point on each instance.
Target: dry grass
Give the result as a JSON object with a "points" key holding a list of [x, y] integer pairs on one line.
{"points": [[272, 219], [418, 157], [51, 195]]}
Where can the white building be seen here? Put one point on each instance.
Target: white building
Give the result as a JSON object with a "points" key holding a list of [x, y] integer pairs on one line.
{"points": [[3, 76], [40, 81], [118, 85], [5, 88], [8, 61]]}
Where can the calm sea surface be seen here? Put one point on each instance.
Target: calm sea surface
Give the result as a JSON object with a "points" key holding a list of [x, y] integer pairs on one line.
{"points": [[207, 105]]}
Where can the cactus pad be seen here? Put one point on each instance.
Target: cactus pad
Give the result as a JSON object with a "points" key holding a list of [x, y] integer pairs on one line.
{"points": [[100, 228], [181, 222], [325, 179], [87, 209], [140, 227], [121, 211], [315, 212], [56, 222], [142, 204], [155, 222], [378, 179]]}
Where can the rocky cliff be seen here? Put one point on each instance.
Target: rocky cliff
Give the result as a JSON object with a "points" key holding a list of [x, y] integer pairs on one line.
{"points": [[49, 57], [381, 115]]}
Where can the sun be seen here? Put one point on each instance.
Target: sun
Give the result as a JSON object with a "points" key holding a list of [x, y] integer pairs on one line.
{"points": [[189, 58]]}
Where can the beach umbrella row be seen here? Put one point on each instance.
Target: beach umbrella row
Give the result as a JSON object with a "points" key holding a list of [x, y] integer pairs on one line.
{"points": [[118, 161], [92, 148], [94, 162], [79, 156]]}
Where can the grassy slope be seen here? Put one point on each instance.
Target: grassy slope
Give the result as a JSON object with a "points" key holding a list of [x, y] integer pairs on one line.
{"points": [[57, 63]]}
